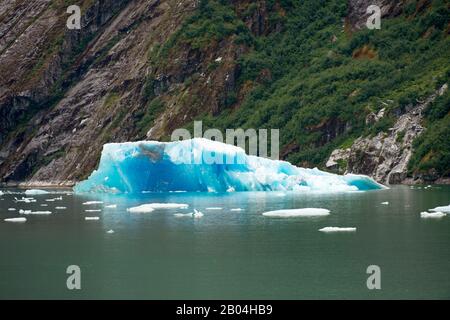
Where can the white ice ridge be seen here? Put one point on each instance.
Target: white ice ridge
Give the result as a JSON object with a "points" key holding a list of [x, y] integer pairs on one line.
{"points": [[432, 214], [442, 209], [337, 229], [305, 212], [35, 192], [15, 219], [134, 167]]}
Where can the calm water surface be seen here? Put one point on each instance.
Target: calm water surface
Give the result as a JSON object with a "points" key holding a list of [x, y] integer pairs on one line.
{"points": [[228, 254]]}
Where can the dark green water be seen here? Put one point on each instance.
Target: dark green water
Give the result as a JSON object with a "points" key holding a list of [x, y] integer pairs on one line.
{"points": [[229, 254]]}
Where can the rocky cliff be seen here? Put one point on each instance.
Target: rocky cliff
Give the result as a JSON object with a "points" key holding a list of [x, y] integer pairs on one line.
{"points": [[139, 69]]}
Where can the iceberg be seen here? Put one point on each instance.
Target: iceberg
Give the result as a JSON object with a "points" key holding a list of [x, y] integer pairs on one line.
{"points": [[305, 212], [206, 166]]}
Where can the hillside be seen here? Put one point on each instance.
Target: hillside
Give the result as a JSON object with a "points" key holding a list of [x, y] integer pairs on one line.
{"points": [[140, 69]]}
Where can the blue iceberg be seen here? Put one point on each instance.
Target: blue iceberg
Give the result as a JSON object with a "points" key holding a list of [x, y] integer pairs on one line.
{"points": [[206, 166]]}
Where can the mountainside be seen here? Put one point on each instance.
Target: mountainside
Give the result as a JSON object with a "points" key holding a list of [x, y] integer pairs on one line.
{"points": [[139, 69]]}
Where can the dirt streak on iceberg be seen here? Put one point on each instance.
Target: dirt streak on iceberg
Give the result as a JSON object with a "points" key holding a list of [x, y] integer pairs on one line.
{"points": [[203, 165]]}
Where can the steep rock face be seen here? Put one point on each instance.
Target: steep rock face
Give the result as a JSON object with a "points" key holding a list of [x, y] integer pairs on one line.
{"points": [[358, 15], [385, 157]]}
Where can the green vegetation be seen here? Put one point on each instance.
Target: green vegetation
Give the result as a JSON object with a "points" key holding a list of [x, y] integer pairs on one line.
{"points": [[323, 79]]}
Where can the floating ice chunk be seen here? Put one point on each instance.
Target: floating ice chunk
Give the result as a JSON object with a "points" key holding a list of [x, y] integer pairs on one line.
{"points": [[432, 214], [15, 219], [111, 206], [60, 208], [11, 209], [93, 210], [441, 209], [337, 229], [134, 167], [236, 209], [110, 231], [34, 212], [305, 212], [91, 218], [26, 200], [385, 203], [44, 205], [181, 215], [198, 214], [168, 205], [35, 192], [214, 208], [149, 207], [1, 193], [88, 203], [54, 199], [145, 208]]}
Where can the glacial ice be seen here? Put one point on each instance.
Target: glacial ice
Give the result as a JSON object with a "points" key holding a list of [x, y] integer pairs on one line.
{"points": [[337, 229], [35, 192], [207, 166], [305, 212], [149, 207], [432, 214], [442, 209], [15, 219]]}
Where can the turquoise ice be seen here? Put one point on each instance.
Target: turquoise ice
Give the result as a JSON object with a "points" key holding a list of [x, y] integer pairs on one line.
{"points": [[207, 166]]}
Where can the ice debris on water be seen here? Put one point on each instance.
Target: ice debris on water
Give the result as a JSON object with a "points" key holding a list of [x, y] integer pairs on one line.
{"points": [[35, 192], [432, 214], [304, 212], [337, 229], [207, 166], [197, 214], [88, 203], [15, 219], [441, 209], [91, 218]]}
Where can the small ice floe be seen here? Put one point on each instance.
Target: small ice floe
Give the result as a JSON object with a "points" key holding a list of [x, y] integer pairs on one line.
{"points": [[149, 207], [11, 209], [111, 206], [337, 229], [26, 200], [93, 210], [145, 208], [35, 192], [54, 199], [197, 214], [34, 212], [236, 209], [44, 205], [441, 209], [110, 231], [1, 193], [183, 215], [15, 220], [214, 208], [432, 214], [88, 203], [305, 212], [385, 203], [168, 205], [91, 218], [60, 208]]}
